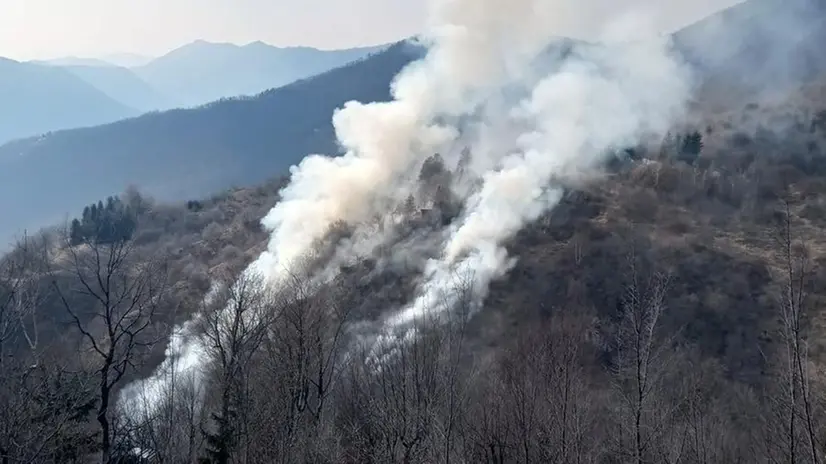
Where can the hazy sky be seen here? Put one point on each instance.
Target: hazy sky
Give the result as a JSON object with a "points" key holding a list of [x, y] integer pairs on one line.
{"points": [[37, 29]]}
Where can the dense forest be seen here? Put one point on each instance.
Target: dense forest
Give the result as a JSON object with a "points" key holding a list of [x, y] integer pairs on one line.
{"points": [[667, 311]]}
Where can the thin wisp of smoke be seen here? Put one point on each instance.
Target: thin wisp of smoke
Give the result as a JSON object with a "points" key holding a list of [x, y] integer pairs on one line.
{"points": [[515, 119]]}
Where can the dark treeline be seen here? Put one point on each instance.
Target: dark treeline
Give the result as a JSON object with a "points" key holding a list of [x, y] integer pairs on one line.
{"points": [[101, 223]]}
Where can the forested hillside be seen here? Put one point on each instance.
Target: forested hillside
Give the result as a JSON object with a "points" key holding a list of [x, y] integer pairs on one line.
{"points": [[668, 309], [667, 312]]}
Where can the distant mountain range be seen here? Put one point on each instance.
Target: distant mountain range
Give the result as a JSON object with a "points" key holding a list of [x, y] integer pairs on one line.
{"points": [[125, 86], [35, 99], [127, 60], [202, 72], [183, 154], [42, 96]]}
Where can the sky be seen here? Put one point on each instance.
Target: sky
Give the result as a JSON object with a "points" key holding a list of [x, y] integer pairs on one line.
{"points": [[43, 29]]}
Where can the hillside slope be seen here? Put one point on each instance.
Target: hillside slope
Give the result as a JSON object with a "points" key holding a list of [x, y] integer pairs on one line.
{"points": [[186, 153], [758, 47], [679, 248], [35, 99]]}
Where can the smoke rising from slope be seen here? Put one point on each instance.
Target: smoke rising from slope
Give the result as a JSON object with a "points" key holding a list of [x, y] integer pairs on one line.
{"points": [[531, 119], [475, 47], [603, 99]]}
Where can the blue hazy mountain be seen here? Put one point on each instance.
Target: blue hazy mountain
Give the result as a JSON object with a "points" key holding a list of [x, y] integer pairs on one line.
{"points": [[36, 99], [201, 72], [186, 153]]}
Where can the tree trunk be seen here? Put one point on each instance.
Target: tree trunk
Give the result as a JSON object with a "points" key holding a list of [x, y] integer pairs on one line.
{"points": [[103, 420]]}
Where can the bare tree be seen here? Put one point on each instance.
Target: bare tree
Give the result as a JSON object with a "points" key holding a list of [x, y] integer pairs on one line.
{"points": [[164, 416], [487, 432], [234, 327], [793, 402], [405, 391], [458, 368], [110, 293], [569, 425], [641, 365], [705, 431], [407, 395], [299, 370], [42, 402]]}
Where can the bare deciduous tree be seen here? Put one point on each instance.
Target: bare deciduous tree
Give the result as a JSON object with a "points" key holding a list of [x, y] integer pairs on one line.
{"points": [[111, 294], [42, 403], [299, 370], [234, 326], [641, 365], [790, 400]]}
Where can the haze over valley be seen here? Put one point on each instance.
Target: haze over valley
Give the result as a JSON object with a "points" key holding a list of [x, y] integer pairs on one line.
{"points": [[69, 93]]}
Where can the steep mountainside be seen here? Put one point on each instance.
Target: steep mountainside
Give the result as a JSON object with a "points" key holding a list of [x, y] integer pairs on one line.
{"points": [[35, 99], [759, 47], [202, 72]]}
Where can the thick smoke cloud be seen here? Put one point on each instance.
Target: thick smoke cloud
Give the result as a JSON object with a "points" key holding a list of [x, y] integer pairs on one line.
{"points": [[532, 112], [603, 98], [475, 47]]}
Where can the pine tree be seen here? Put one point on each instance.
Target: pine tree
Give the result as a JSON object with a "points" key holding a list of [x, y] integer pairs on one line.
{"points": [[692, 146], [220, 443], [76, 233]]}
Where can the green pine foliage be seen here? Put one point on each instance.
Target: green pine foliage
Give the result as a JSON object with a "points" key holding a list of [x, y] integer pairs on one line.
{"points": [[104, 223]]}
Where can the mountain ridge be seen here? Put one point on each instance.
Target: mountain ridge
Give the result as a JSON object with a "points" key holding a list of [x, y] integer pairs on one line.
{"points": [[37, 99], [238, 140], [201, 71], [241, 141]]}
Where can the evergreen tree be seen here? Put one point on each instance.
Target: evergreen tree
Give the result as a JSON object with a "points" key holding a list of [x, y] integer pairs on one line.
{"points": [[76, 234], [104, 223], [221, 443], [692, 146], [110, 205]]}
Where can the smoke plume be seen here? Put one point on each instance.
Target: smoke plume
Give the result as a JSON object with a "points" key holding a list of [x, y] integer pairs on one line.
{"points": [[603, 98], [533, 113]]}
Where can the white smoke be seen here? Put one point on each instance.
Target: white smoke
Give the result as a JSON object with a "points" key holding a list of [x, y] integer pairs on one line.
{"points": [[481, 53], [604, 99]]}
